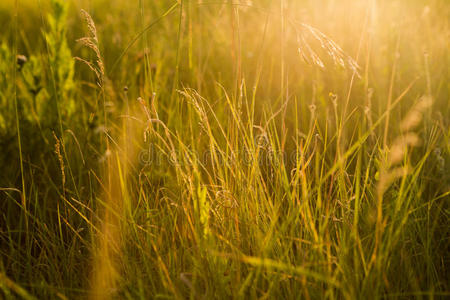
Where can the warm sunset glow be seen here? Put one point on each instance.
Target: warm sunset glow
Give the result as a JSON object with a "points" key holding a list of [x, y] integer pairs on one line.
{"points": [[224, 149]]}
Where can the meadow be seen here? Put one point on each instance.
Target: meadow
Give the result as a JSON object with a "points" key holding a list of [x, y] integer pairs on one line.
{"points": [[231, 149]]}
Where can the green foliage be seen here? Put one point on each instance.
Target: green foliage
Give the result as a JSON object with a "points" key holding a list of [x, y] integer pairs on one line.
{"points": [[6, 113], [61, 62], [34, 98]]}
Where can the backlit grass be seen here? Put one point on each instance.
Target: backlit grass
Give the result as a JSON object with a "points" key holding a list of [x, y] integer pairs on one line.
{"points": [[224, 149]]}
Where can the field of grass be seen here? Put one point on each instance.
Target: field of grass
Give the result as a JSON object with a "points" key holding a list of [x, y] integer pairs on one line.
{"points": [[231, 149]]}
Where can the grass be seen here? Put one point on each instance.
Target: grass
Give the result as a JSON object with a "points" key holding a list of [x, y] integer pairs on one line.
{"points": [[224, 149]]}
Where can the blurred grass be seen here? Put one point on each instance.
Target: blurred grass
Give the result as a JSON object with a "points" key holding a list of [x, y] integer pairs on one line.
{"points": [[191, 151]]}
